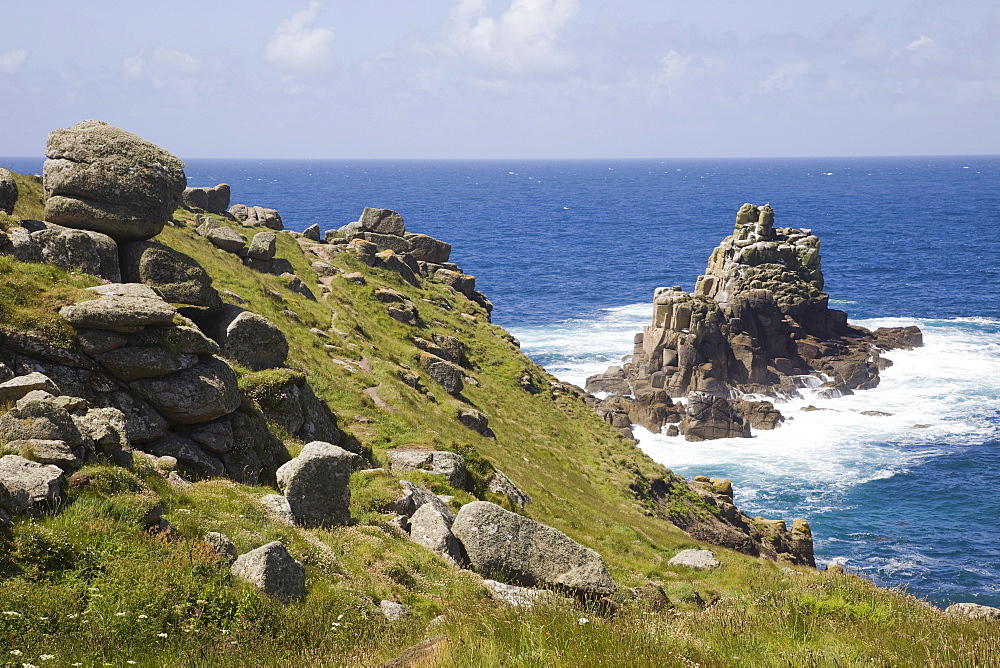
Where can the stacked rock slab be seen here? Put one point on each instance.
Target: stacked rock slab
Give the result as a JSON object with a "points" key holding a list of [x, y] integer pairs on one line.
{"points": [[8, 191], [101, 178], [757, 322], [213, 200], [70, 249], [175, 396]]}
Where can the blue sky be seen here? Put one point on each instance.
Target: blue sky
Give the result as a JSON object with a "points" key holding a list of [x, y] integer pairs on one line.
{"points": [[509, 78]]}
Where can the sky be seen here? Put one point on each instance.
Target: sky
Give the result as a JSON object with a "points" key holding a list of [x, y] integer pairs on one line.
{"points": [[508, 78]]}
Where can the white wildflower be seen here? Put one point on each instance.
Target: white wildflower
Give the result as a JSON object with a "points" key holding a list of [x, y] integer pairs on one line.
{"points": [[47, 657], [161, 635], [11, 613], [15, 652], [120, 614], [582, 621], [143, 616]]}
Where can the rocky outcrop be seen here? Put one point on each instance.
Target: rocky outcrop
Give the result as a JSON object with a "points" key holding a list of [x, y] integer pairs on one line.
{"points": [[212, 200], [973, 611], [70, 249], [274, 571], [8, 191], [252, 216], [315, 484], [758, 322], [27, 486], [431, 527], [243, 336], [444, 373], [263, 246], [302, 414], [448, 464], [708, 417], [99, 177], [508, 547]]}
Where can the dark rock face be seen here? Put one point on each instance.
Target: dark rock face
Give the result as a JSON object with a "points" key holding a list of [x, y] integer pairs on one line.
{"points": [[709, 417], [8, 191], [446, 374], [177, 276], [757, 320], [514, 549], [101, 178]]}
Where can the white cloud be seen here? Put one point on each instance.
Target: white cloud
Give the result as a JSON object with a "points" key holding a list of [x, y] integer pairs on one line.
{"points": [[783, 78], [297, 45], [175, 61], [11, 61], [922, 42], [523, 38], [134, 67]]}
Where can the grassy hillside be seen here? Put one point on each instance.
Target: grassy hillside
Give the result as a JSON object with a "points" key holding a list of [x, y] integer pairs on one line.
{"points": [[88, 584]]}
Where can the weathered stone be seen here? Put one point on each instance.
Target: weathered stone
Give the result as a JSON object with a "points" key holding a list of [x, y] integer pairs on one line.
{"points": [[312, 232], [387, 296], [102, 178], [475, 420], [973, 611], [506, 546], [106, 427], [446, 374], [177, 276], [227, 239], [302, 413], [192, 458], [255, 342], [406, 314], [296, 284], [388, 259], [135, 362], [263, 245], [26, 486], [383, 221], [213, 200], [518, 597], [42, 419], [462, 283], [432, 529], [355, 277], [498, 483], [351, 230], [428, 249], [316, 485], [8, 191], [71, 249], [903, 338], [701, 559], [802, 543], [453, 349], [415, 496], [222, 546], [57, 453], [203, 393], [144, 424], [450, 465], [274, 571], [393, 611], [388, 242], [119, 314], [17, 387], [279, 507]]}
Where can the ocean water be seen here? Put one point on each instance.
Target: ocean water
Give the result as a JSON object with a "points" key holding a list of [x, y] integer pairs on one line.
{"points": [[571, 251]]}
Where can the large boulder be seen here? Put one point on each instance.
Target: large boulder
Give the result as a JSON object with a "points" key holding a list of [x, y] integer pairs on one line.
{"points": [[101, 178], [708, 417], [256, 215], [255, 342], [432, 529], [698, 559], [177, 276], [227, 239], [135, 362], [428, 249], [443, 372], [263, 246], [506, 546], [8, 191], [274, 571], [450, 465], [26, 486], [41, 419], [973, 611], [383, 221], [119, 314], [203, 393], [17, 387], [316, 485]]}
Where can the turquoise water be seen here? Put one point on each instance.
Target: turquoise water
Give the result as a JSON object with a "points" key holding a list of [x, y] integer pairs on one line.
{"points": [[571, 251]]}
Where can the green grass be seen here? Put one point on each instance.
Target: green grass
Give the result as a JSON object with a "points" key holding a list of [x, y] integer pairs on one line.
{"points": [[32, 294], [90, 584]]}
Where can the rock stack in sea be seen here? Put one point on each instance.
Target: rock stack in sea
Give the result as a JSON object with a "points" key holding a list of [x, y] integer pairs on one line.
{"points": [[757, 323]]}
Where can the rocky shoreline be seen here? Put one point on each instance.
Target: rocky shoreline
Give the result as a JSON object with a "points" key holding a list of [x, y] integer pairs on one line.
{"points": [[758, 326]]}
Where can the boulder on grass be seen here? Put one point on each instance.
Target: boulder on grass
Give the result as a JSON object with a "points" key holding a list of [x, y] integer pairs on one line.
{"points": [[178, 277], [8, 191], [432, 529], [274, 571], [508, 547], [446, 374], [973, 611], [699, 559], [316, 485], [450, 465], [26, 486]]}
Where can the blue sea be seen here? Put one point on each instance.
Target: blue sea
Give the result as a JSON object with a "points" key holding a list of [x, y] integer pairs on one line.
{"points": [[571, 251]]}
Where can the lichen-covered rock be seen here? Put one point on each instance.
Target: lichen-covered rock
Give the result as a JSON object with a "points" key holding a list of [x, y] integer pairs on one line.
{"points": [[274, 571], [382, 221], [213, 200], [119, 314], [17, 387], [393, 611], [316, 485], [263, 246], [475, 420], [102, 178], [135, 362], [700, 559], [222, 546], [508, 547], [71, 249], [8, 191], [202, 393], [41, 419], [255, 342], [57, 453], [279, 508], [973, 611], [388, 242], [227, 239], [255, 215], [443, 372], [498, 483], [26, 486], [301, 413], [432, 529], [450, 465], [178, 277], [428, 249], [189, 456]]}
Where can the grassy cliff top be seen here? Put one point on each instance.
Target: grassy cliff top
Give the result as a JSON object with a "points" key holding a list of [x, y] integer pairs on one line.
{"points": [[89, 584]]}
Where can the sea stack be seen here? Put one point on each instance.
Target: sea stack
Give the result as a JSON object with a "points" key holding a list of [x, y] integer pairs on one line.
{"points": [[758, 322]]}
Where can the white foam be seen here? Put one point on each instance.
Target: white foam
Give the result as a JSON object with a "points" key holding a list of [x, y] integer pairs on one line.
{"points": [[950, 386]]}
